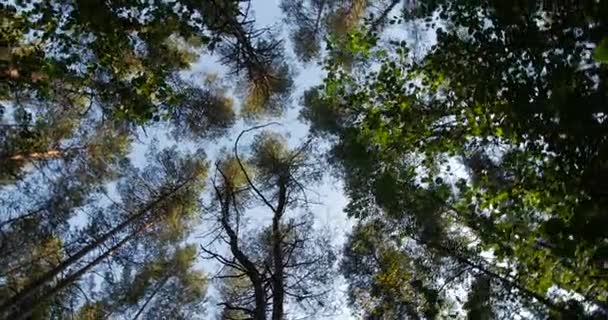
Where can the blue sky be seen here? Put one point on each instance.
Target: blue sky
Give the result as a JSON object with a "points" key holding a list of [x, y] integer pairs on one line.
{"points": [[329, 212]]}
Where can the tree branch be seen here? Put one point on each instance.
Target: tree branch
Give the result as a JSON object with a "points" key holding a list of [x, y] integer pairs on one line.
{"points": [[236, 155]]}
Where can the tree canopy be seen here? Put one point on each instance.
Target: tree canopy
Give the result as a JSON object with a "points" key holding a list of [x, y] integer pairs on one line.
{"points": [[468, 137], [487, 152]]}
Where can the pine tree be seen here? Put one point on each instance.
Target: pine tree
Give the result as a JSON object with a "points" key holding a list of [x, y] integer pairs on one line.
{"points": [[287, 262], [171, 186]]}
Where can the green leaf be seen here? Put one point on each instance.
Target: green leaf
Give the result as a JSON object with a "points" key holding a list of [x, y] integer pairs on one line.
{"points": [[601, 51]]}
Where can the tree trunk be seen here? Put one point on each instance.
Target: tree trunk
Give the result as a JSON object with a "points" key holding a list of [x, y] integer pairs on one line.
{"points": [[252, 272], [37, 155], [507, 282], [278, 286], [33, 287], [230, 25], [22, 314], [383, 15], [43, 155], [318, 19], [158, 287]]}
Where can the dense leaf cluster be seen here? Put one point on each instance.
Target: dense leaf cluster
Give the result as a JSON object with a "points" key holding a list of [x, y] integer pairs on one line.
{"points": [[488, 153], [471, 137]]}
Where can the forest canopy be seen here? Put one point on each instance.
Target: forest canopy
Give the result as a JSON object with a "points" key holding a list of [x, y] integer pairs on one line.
{"points": [[468, 138]]}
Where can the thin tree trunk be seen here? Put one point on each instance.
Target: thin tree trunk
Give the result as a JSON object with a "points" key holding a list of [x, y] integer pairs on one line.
{"points": [[542, 299], [507, 282], [37, 155], [318, 19], [236, 29], [28, 291], [21, 313], [158, 287], [374, 26], [43, 155], [252, 272], [25, 216], [278, 286]]}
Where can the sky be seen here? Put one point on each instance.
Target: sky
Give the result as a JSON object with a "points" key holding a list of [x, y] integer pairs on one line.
{"points": [[330, 200], [329, 192], [328, 195], [328, 213]]}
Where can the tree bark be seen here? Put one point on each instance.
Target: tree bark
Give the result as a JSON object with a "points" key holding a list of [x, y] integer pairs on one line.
{"points": [[318, 19], [43, 155], [542, 299]]}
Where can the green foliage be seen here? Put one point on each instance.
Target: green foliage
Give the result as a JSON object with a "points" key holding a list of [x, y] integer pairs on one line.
{"points": [[384, 282], [270, 154], [500, 94], [86, 233], [92, 47], [125, 57], [267, 92], [176, 266], [601, 51], [201, 112], [479, 166]]}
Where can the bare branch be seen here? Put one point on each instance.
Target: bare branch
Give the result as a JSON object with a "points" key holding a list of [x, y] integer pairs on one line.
{"points": [[249, 181]]}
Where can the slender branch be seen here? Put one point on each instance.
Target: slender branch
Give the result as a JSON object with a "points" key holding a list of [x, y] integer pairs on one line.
{"points": [[152, 295], [236, 154], [232, 307], [452, 278], [221, 259], [240, 256], [483, 269], [374, 26]]}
